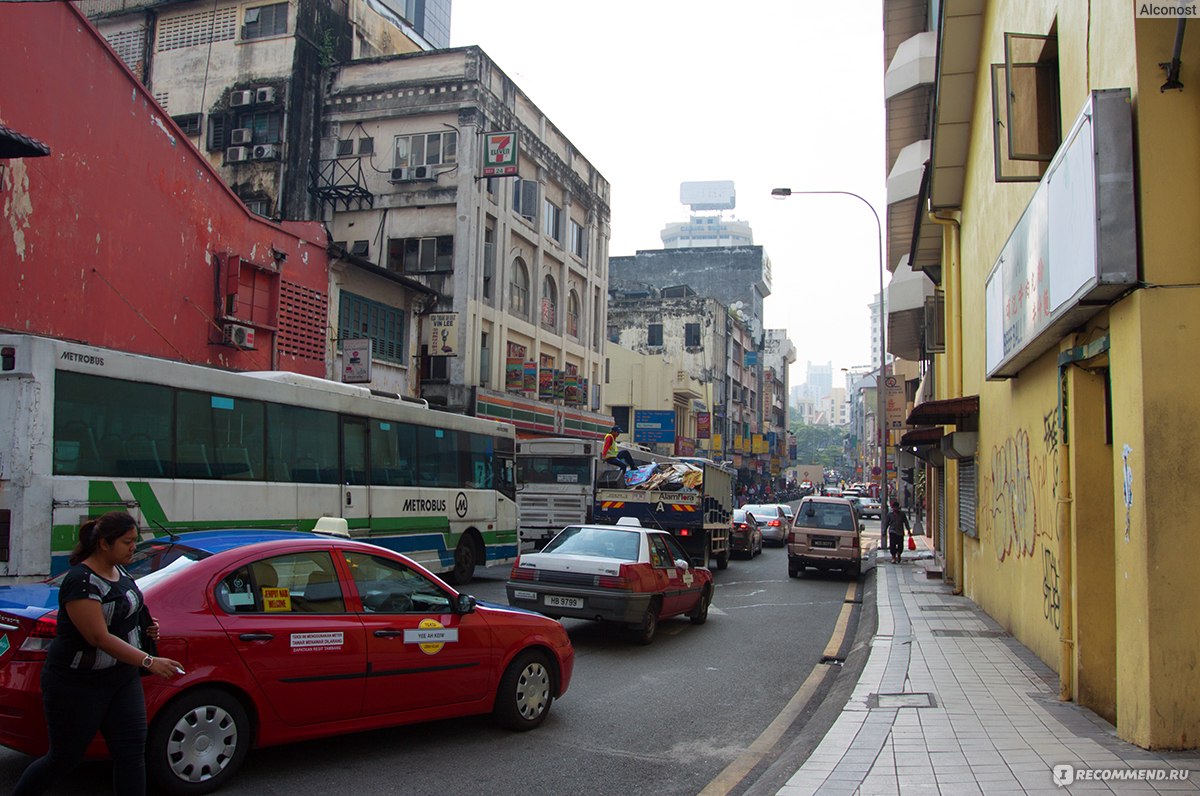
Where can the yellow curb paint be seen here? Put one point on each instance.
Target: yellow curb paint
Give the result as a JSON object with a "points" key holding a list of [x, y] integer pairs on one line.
{"points": [[736, 771]]}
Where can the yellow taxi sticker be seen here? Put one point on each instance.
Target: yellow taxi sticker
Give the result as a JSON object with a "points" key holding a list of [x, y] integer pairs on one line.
{"points": [[431, 635], [276, 600]]}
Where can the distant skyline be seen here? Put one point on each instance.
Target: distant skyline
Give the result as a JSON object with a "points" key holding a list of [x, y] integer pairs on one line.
{"points": [[775, 95]]}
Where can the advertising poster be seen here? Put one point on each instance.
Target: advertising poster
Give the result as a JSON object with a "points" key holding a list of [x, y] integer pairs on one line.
{"points": [[897, 406], [546, 384], [560, 385], [514, 375], [703, 425], [356, 356], [443, 329], [571, 394], [531, 377]]}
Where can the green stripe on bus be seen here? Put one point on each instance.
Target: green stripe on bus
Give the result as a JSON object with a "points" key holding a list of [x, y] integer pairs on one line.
{"points": [[383, 526], [152, 510]]}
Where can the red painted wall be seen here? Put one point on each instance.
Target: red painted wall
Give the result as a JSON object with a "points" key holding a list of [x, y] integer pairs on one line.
{"points": [[120, 237]]}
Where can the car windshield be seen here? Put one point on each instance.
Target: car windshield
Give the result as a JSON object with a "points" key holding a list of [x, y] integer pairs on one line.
{"points": [[154, 560], [596, 542], [762, 510], [833, 516], [739, 515]]}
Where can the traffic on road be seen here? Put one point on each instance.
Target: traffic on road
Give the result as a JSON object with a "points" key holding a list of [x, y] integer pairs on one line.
{"points": [[456, 654]]}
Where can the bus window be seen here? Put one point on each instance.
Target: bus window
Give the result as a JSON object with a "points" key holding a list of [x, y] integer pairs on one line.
{"points": [[303, 445], [477, 462], [218, 437], [393, 453], [108, 427], [437, 462]]}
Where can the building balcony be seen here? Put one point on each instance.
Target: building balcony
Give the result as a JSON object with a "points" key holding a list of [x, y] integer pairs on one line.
{"points": [[906, 295], [914, 64]]}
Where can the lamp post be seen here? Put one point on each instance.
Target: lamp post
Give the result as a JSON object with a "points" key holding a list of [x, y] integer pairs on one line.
{"points": [[880, 401]]}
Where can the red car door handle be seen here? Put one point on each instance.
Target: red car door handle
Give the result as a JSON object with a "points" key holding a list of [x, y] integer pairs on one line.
{"points": [[256, 636], [388, 633]]}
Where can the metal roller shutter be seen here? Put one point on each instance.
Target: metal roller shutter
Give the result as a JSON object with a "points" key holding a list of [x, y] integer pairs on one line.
{"points": [[966, 498], [941, 502]]}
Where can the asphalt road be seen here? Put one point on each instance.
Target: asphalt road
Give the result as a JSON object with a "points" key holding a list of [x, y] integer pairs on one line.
{"points": [[664, 719]]}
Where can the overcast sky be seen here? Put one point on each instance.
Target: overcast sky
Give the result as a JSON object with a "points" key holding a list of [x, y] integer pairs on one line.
{"points": [[766, 93]]}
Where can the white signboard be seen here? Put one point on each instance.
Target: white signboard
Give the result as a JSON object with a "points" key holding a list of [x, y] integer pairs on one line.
{"points": [[896, 402], [443, 334], [356, 361]]}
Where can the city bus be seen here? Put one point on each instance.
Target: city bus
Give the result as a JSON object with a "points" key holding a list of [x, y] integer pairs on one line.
{"points": [[87, 430]]}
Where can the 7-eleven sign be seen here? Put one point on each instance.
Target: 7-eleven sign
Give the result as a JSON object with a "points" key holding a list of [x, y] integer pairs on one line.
{"points": [[500, 154]]}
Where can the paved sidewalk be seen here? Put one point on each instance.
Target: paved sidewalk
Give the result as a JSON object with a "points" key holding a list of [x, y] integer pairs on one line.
{"points": [[949, 703]]}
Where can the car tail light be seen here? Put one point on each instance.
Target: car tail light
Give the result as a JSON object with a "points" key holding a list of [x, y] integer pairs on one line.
{"points": [[791, 537], [521, 573], [685, 532], [34, 647], [774, 523], [619, 581]]}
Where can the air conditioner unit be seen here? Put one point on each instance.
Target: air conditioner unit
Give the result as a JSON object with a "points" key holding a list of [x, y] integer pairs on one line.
{"points": [[264, 94], [413, 174], [237, 154], [241, 135], [265, 152], [238, 336], [240, 98]]}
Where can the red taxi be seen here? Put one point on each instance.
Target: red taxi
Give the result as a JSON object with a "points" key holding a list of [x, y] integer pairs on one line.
{"points": [[289, 636], [619, 573]]}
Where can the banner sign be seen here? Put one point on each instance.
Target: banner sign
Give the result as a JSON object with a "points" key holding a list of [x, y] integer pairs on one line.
{"points": [[443, 327], [654, 425], [500, 154], [893, 394], [514, 375], [571, 393], [703, 425], [356, 356], [546, 384], [531, 377]]}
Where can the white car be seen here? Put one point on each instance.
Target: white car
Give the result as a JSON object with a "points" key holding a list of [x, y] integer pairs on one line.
{"points": [[868, 506], [773, 517]]}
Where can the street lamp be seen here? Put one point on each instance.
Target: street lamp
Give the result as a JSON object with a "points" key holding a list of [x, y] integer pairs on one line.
{"points": [[880, 402]]}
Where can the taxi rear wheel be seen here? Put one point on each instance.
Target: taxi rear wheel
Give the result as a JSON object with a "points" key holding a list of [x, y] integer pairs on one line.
{"points": [[643, 632], [197, 742], [525, 693]]}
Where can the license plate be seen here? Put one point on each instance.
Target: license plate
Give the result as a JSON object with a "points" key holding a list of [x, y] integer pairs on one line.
{"points": [[554, 601], [829, 543], [525, 595]]}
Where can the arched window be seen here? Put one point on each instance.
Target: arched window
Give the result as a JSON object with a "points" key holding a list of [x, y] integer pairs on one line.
{"points": [[573, 314], [518, 289], [549, 303]]}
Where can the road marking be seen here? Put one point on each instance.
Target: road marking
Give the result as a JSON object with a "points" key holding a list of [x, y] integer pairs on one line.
{"points": [[736, 771]]}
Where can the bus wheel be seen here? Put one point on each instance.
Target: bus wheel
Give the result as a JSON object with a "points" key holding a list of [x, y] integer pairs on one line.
{"points": [[465, 557]]}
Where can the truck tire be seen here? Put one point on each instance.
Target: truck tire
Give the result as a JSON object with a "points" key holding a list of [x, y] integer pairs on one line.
{"points": [[723, 559]]}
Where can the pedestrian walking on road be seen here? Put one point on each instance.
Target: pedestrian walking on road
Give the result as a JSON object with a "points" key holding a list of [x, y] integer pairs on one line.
{"points": [[90, 679], [895, 524]]}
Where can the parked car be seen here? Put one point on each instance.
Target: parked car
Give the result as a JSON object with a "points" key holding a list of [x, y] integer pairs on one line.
{"points": [[745, 533], [774, 520], [287, 636], [618, 573], [825, 535]]}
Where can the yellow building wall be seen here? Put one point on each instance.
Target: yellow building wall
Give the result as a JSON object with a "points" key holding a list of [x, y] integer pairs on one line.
{"points": [[1134, 600]]}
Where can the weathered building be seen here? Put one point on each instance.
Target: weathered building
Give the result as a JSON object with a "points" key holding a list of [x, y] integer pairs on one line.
{"points": [[517, 265], [245, 81], [730, 274], [1059, 420], [124, 235]]}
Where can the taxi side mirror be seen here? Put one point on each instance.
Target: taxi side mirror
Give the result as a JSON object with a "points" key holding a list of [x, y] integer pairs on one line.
{"points": [[862, 527], [465, 604], [681, 564]]}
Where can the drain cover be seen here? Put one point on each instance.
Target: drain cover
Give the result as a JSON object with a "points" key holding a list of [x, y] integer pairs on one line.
{"points": [[918, 700]]}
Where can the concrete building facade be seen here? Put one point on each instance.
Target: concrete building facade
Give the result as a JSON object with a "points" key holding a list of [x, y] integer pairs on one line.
{"points": [[1059, 421]]}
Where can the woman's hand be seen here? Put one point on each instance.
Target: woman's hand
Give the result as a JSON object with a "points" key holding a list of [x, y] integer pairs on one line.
{"points": [[152, 630], [165, 668]]}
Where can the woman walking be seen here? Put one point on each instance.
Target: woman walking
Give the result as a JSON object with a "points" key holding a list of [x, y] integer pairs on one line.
{"points": [[90, 679], [895, 524]]}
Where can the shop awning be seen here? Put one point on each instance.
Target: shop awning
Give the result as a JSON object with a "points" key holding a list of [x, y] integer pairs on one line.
{"points": [[16, 145], [922, 436], [948, 411]]}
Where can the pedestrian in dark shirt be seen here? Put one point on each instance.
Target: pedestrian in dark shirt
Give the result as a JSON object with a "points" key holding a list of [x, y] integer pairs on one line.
{"points": [[90, 679], [895, 523]]}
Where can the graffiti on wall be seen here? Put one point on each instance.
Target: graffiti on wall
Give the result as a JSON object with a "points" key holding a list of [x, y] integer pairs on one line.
{"points": [[1051, 599], [1018, 504]]}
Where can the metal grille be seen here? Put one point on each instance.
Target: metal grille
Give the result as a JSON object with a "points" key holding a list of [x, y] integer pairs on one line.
{"points": [[941, 501], [128, 46], [966, 497], [201, 28], [5, 533], [302, 321]]}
